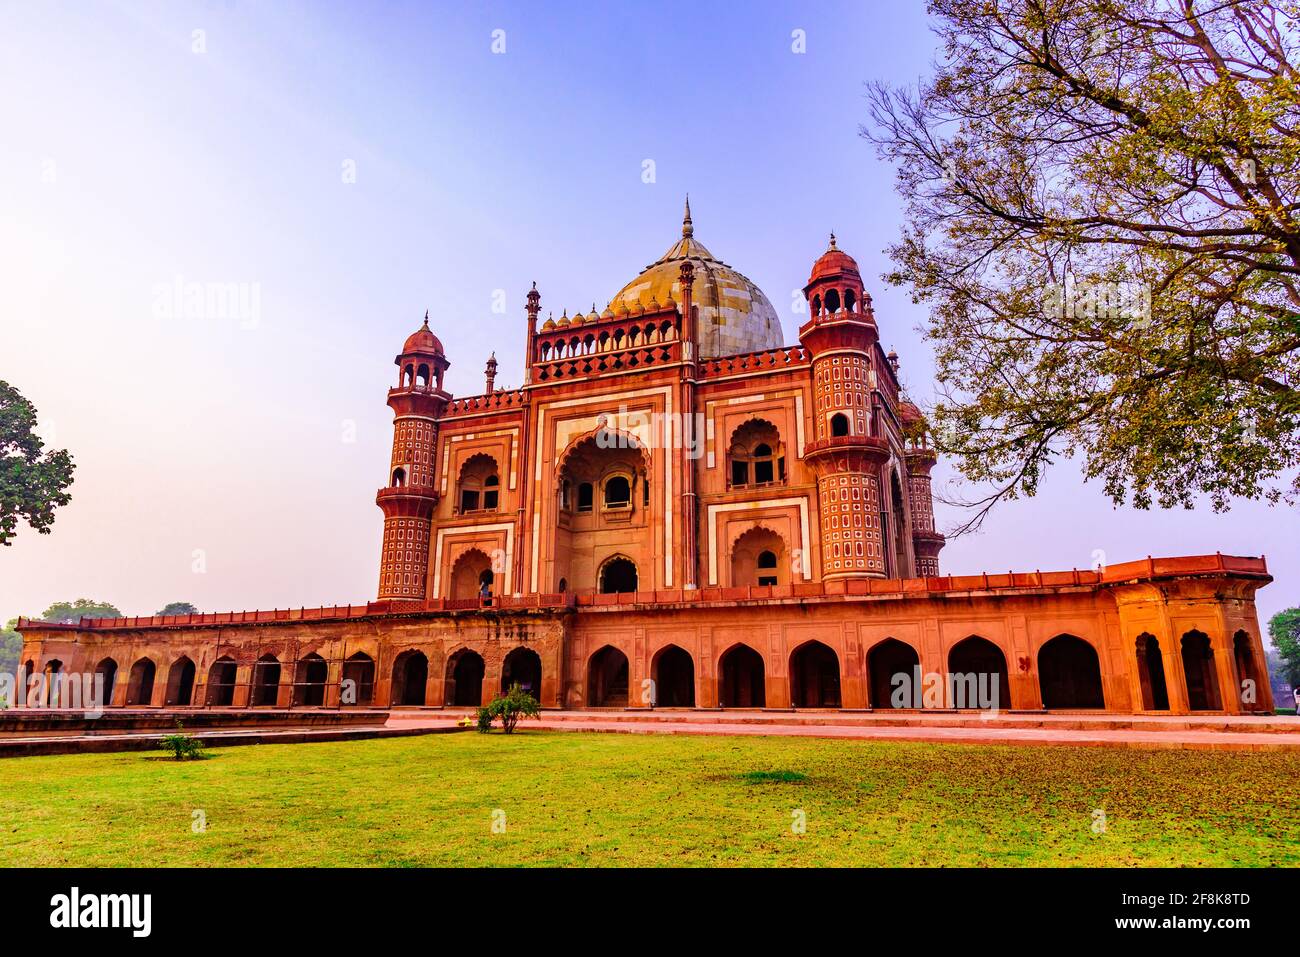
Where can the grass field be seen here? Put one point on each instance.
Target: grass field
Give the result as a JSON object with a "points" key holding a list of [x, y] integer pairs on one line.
{"points": [[614, 799]]}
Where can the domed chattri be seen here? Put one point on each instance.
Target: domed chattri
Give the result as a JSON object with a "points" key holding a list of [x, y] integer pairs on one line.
{"points": [[734, 315], [423, 341], [834, 263]]}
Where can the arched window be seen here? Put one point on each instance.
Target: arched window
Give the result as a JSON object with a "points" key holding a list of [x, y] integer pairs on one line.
{"points": [[585, 496], [757, 559], [757, 455], [399, 478], [832, 301], [839, 424], [480, 485], [618, 575], [618, 492]]}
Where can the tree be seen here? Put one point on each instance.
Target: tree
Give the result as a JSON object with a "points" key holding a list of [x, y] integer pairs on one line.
{"points": [[1101, 201], [509, 708], [32, 483], [178, 608], [11, 647], [1284, 630], [68, 613]]}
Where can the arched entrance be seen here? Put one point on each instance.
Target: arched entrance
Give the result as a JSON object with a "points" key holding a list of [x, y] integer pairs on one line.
{"points": [[618, 575], [814, 676], [139, 687], [107, 670], [221, 683], [523, 666], [464, 687], [1199, 670], [1243, 655], [266, 682], [744, 679], [470, 572], [309, 687], [358, 685], [53, 694], [887, 659], [1151, 674], [673, 671], [180, 682], [976, 668], [1069, 674], [410, 676], [607, 679]]}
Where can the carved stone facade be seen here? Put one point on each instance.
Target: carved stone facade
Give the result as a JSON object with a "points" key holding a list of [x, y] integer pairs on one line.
{"points": [[655, 515]]}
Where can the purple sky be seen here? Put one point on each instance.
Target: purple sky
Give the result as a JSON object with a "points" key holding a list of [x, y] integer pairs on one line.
{"points": [[137, 152]]}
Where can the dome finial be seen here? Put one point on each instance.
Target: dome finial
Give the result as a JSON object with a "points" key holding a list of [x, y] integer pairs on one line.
{"points": [[688, 229], [833, 246]]}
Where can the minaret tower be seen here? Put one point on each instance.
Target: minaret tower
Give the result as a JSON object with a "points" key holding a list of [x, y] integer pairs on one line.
{"points": [[848, 450], [410, 496], [921, 458]]}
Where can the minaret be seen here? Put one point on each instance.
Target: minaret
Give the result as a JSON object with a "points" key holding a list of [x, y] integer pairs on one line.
{"points": [[410, 496], [848, 450], [491, 372], [921, 458]]}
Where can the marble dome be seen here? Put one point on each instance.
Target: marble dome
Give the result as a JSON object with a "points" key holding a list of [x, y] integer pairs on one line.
{"points": [[734, 315]]}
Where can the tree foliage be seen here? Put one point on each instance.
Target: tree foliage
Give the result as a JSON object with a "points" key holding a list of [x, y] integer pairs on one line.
{"points": [[178, 608], [33, 482], [11, 647], [1284, 630], [69, 612], [509, 708], [1101, 204]]}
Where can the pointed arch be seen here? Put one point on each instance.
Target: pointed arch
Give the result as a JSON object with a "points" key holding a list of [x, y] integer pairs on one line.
{"points": [[814, 676], [1069, 674], [673, 671], [607, 678], [464, 679], [107, 670], [743, 674], [976, 666], [139, 688], [221, 682], [886, 661], [180, 682], [523, 666]]}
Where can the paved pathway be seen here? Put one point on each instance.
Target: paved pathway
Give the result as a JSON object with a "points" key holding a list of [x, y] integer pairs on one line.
{"points": [[1248, 733]]}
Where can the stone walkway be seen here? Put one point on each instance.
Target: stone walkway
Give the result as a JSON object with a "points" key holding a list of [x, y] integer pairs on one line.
{"points": [[1243, 733], [1210, 732]]}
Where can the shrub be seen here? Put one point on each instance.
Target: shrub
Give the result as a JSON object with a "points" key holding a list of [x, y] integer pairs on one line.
{"points": [[182, 746], [510, 707]]}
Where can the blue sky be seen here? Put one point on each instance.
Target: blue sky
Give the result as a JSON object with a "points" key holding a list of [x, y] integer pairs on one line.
{"points": [[138, 152]]}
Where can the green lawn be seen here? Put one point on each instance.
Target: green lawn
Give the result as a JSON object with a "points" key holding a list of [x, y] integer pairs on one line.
{"points": [[616, 799]]}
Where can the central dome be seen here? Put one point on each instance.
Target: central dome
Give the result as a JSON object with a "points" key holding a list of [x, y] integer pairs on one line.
{"points": [[734, 315]]}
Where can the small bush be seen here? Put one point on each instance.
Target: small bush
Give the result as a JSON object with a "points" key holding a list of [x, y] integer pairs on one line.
{"points": [[182, 746], [515, 704]]}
